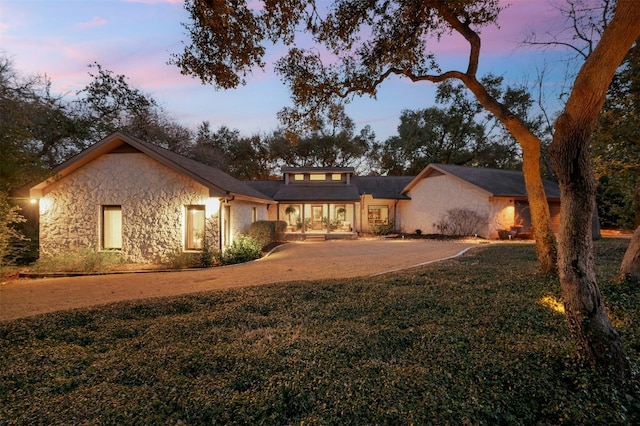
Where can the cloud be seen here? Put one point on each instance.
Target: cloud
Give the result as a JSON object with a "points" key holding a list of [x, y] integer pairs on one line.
{"points": [[96, 21]]}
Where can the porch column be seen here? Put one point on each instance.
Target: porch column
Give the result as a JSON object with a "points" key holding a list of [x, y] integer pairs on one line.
{"points": [[328, 218], [353, 220]]}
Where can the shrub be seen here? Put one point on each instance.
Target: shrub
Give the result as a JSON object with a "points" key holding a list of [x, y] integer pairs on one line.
{"points": [[85, 260], [207, 257], [265, 232], [178, 259], [9, 235], [243, 249], [384, 229], [462, 222]]}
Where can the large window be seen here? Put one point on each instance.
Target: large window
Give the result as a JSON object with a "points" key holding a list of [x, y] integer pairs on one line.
{"points": [[378, 215], [112, 227], [195, 228]]}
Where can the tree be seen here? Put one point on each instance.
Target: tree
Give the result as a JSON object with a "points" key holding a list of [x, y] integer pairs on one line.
{"points": [[588, 321], [363, 43], [332, 142], [431, 135], [616, 147], [630, 266], [9, 217], [36, 128], [109, 103], [460, 132], [242, 157]]}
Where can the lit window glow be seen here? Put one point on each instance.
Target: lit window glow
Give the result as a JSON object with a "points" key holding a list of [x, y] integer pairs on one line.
{"points": [[195, 228]]}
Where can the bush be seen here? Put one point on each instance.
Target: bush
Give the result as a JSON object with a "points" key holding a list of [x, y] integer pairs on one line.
{"points": [[84, 260], [462, 222], [178, 259], [385, 229], [243, 249], [9, 235], [265, 232]]}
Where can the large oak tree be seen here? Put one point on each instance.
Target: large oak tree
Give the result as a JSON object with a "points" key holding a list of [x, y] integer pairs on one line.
{"points": [[570, 153]]}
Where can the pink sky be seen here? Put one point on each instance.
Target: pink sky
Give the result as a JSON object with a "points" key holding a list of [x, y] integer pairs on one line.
{"points": [[60, 38]]}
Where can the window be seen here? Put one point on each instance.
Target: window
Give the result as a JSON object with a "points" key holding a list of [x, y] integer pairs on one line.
{"points": [[336, 176], [378, 215], [195, 228], [318, 176], [112, 227], [254, 214], [298, 176]]}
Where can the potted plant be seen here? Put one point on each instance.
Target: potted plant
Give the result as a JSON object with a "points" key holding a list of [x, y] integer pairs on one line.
{"points": [[289, 211]]}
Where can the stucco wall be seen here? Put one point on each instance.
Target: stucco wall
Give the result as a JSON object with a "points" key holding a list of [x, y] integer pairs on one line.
{"points": [[241, 217], [152, 196], [433, 196]]}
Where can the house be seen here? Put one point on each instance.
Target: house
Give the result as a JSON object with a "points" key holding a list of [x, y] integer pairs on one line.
{"points": [[127, 195], [336, 203], [147, 202]]}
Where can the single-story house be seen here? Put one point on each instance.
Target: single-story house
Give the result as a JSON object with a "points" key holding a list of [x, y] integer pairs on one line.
{"points": [[148, 203]]}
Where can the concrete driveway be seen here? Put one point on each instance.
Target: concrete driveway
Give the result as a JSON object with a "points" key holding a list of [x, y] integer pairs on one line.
{"points": [[290, 262]]}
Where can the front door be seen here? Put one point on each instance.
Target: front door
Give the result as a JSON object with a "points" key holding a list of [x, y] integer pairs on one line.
{"points": [[316, 217]]}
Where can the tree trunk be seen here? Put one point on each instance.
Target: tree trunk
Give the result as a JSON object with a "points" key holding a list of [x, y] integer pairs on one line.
{"points": [[587, 318], [546, 248], [630, 267]]}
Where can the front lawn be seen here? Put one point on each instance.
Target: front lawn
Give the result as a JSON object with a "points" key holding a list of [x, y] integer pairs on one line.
{"points": [[473, 340]]}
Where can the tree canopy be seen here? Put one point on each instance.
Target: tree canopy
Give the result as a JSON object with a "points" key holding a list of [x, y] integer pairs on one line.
{"points": [[616, 148]]}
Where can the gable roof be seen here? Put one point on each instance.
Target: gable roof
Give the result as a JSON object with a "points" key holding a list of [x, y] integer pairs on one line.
{"points": [[218, 182], [496, 182]]}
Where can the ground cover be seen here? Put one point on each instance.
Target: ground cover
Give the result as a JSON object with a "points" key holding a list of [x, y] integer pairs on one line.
{"points": [[472, 340]]}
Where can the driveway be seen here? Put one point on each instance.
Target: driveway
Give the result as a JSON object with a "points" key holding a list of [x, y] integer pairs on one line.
{"points": [[290, 262]]}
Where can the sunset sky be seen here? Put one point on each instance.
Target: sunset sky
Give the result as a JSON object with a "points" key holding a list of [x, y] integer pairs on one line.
{"points": [[60, 38]]}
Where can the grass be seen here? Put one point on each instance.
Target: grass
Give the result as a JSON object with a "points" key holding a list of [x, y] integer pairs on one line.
{"points": [[467, 341], [79, 261]]}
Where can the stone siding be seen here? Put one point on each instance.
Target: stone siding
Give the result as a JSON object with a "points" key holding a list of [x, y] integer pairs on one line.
{"points": [[153, 199]]}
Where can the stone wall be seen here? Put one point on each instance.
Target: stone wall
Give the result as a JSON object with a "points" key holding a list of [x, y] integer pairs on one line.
{"points": [[153, 199]]}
